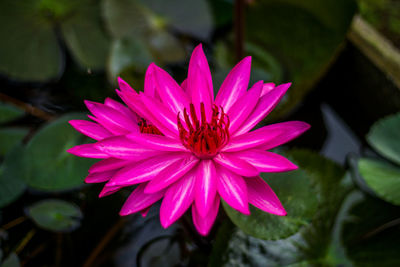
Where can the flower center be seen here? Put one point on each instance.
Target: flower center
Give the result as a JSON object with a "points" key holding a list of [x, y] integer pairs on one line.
{"points": [[148, 128], [204, 139]]}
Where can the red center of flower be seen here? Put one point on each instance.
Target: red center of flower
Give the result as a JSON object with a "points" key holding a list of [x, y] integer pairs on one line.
{"points": [[148, 128], [204, 139]]}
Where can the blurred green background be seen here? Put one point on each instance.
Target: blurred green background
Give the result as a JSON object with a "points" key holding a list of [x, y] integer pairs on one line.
{"points": [[343, 59]]}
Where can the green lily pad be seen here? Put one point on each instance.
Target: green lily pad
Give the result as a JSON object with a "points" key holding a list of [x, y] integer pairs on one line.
{"points": [[371, 233], [56, 215], [298, 196], [85, 38], [304, 36], [384, 137], [190, 17], [11, 261], [12, 174], [128, 55], [9, 137], [383, 178], [51, 167], [9, 113], [29, 49]]}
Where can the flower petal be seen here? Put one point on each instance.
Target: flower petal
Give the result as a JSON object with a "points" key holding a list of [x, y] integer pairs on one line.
{"points": [[267, 137], [263, 197], [264, 161], [268, 87], [170, 92], [206, 187], [177, 199], [145, 170], [199, 82], [244, 106], [91, 129], [149, 82], [139, 200], [111, 119], [161, 116], [108, 190], [157, 142], [122, 109], [232, 188], [236, 165], [204, 224], [235, 84], [99, 177], [108, 164], [170, 175], [123, 148], [264, 106], [87, 151]]}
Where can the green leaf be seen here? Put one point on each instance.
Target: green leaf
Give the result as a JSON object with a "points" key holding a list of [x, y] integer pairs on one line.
{"points": [[128, 55], [189, 17], [165, 47], [12, 174], [304, 36], [11, 261], [56, 215], [8, 112], [384, 137], [9, 137], [85, 38], [298, 196], [371, 233], [382, 178], [51, 167], [125, 18], [29, 49]]}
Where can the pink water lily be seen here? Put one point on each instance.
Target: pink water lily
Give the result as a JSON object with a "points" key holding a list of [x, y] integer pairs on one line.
{"points": [[180, 144]]}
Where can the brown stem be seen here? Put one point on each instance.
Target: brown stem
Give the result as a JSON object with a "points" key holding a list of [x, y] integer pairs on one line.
{"points": [[381, 228], [34, 253], [13, 223], [25, 241], [104, 242], [239, 28], [28, 108]]}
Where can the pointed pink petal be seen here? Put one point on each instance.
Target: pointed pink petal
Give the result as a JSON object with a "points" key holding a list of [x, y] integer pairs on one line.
{"points": [[149, 82], [87, 151], [122, 109], [108, 190], [124, 148], [133, 101], [264, 106], [244, 106], [204, 224], [111, 119], [235, 84], [145, 170], [184, 87], [108, 164], [157, 142], [91, 129], [236, 165], [264, 161], [167, 177], [177, 199], [139, 200], [206, 187], [124, 86], [268, 87], [263, 197], [267, 137], [200, 83], [232, 188], [99, 177], [170, 92], [161, 116]]}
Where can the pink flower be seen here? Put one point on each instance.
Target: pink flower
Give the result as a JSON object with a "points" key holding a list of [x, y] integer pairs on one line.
{"points": [[179, 144]]}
